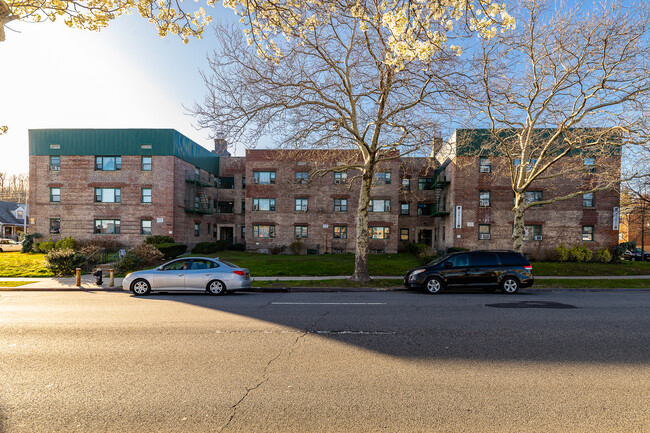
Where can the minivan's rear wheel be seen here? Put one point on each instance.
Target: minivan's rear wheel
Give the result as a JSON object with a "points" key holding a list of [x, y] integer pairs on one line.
{"points": [[433, 285], [140, 287], [216, 287], [510, 285]]}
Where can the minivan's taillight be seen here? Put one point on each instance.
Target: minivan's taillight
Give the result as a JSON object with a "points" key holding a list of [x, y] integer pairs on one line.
{"points": [[239, 273], [528, 268]]}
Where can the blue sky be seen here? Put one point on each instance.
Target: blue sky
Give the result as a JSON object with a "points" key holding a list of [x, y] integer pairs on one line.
{"points": [[122, 77]]}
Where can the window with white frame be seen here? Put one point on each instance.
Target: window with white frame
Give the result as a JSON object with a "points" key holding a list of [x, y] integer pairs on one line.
{"points": [[145, 195], [55, 195], [379, 205], [145, 163], [145, 227], [484, 198]]}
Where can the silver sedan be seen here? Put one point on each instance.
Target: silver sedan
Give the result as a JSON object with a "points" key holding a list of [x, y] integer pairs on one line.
{"points": [[190, 273]]}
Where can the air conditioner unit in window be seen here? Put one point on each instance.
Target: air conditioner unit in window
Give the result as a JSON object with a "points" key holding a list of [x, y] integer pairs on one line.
{"points": [[484, 236], [255, 207], [255, 180], [538, 238], [484, 169], [337, 181], [484, 203]]}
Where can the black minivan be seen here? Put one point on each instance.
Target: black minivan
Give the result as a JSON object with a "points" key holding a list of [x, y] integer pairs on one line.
{"points": [[489, 269]]}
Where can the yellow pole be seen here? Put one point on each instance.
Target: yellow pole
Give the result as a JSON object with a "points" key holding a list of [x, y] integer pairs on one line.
{"points": [[111, 281], [78, 277]]}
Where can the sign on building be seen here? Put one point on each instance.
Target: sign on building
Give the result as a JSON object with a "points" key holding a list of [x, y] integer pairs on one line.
{"points": [[615, 217], [458, 219]]}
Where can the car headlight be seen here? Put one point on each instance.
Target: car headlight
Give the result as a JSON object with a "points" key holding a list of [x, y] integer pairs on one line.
{"points": [[415, 272], [128, 275]]}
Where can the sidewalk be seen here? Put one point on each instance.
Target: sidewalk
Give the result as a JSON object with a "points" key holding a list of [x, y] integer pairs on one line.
{"points": [[88, 281]]}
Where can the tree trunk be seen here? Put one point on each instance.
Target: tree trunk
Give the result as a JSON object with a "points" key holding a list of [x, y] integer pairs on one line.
{"points": [[361, 273], [518, 227]]}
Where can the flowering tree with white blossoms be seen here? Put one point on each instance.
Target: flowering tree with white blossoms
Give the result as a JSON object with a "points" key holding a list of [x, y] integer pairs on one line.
{"points": [[372, 76]]}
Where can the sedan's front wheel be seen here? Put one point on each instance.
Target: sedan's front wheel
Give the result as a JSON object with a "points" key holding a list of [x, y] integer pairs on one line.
{"points": [[140, 287], [216, 287]]}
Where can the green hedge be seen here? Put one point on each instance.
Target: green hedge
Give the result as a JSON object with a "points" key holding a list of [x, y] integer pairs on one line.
{"points": [[64, 261], [209, 247], [172, 250]]}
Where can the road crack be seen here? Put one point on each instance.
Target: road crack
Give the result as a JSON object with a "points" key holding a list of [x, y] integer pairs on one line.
{"points": [[289, 350]]}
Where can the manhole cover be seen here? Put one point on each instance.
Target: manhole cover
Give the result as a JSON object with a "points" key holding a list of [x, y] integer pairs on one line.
{"points": [[532, 304]]}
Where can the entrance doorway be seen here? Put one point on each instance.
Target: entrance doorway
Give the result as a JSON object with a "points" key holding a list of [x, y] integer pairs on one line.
{"points": [[425, 236], [226, 234]]}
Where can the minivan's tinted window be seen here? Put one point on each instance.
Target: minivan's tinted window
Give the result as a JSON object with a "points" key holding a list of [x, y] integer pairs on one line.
{"points": [[512, 259], [458, 261], [483, 259]]}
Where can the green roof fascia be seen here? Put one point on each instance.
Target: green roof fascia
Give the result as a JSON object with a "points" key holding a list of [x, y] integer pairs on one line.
{"points": [[164, 142], [481, 142]]}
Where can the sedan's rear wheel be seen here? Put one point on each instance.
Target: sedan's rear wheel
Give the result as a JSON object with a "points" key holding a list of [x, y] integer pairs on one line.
{"points": [[141, 287], [433, 285], [510, 285], [216, 287]]}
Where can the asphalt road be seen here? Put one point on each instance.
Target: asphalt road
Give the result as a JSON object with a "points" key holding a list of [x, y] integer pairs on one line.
{"points": [[567, 361]]}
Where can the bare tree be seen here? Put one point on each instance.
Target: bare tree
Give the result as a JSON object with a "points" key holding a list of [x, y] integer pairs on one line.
{"points": [[331, 89], [635, 205], [14, 187], [564, 96]]}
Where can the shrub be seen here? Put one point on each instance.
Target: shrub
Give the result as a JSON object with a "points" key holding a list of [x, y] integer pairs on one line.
{"points": [[130, 262], [416, 249], [91, 254], [296, 247], [171, 250], [209, 247], [157, 240], [562, 253], [64, 243], [602, 255], [148, 254], [28, 242], [580, 253], [236, 247], [45, 247], [277, 249], [619, 250], [107, 244], [64, 261]]}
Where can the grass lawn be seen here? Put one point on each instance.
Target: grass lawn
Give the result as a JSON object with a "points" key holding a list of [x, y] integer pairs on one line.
{"points": [[14, 283], [570, 269], [23, 265], [593, 284], [263, 265], [378, 283]]}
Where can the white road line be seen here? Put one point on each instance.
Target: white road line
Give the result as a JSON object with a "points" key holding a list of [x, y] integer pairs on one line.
{"points": [[329, 303]]}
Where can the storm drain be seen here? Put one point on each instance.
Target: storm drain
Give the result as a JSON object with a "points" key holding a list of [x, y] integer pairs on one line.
{"points": [[532, 304]]}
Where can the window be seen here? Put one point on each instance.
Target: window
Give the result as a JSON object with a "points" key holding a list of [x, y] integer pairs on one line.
{"points": [[301, 163], [226, 182], [108, 163], [145, 227], [484, 198], [404, 234], [300, 232], [55, 146], [485, 166], [379, 232], [425, 183], [243, 207], [266, 231], [340, 205], [197, 202], [108, 195], [340, 177], [459, 260], [107, 227], [264, 177], [146, 146], [404, 208], [55, 195], [379, 206], [588, 199], [55, 225], [197, 229], [406, 184], [483, 259], [426, 209], [590, 164], [301, 204], [225, 207], [243, 182], [264, 204], [145, 195], [55, 163], [19, 214], [484, 232], [382, 178], [533, 233], [145, 164], [243, 232], [587, 233], [531, 196], [302, 176], [340, 232]]}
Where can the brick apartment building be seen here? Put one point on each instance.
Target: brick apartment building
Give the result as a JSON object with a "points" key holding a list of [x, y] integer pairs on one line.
{"points": [[128, 184]]}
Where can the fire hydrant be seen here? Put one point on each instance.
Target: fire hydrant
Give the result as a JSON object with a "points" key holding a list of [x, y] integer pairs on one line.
{"points": [[98, 277]]}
